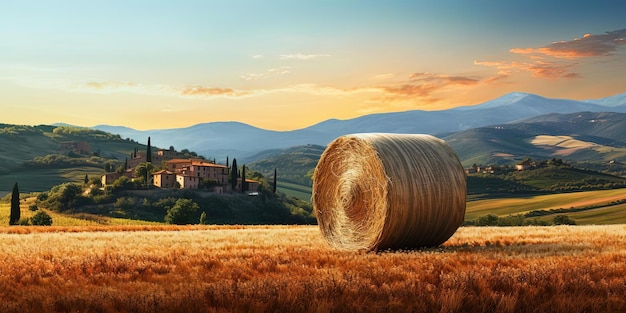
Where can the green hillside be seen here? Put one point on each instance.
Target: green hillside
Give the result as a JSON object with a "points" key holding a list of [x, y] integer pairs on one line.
{"points": [[595, 137], [588, 207], [492, 145], [294, 190], [39, 157], [548, 179], [294, 165], [606, 128]]}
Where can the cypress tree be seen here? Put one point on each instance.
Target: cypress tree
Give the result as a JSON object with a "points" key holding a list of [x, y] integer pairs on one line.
{"points": [[149, 152], [227, 161], [274, 185], [15, 206], [86, 179], [243, 179], [233, 174]]}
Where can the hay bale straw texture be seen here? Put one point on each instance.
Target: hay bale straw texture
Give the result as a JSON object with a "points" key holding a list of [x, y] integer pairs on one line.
{"points": [[388, 191]]}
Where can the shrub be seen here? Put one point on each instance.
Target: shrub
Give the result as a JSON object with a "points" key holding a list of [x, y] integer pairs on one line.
{"points": [[124, 183], [563, 220], [125, 203], [183, 212], [487, 220], [512, 220], [165, 204], [41, 218], [65, 197]]}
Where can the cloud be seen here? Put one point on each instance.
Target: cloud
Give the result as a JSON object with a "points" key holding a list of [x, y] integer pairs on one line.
{"points": [[537, 68], [109, 85], [415, 88], [301, 56], [206, 91], [409, 90], [156, 90], [560, 59], [495, 79], [587, 46], [258, 56], [443, 79], [270, 72], [423, 87]]}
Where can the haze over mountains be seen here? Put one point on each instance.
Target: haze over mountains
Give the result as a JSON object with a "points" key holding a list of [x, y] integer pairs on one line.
{"points": [[219, 139]]}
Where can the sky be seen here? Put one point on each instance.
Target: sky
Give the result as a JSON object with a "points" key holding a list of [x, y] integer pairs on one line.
{"points": [[285, 65]]}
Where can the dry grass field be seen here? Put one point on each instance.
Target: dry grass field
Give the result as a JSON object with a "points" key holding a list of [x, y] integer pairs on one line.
{"points": [[291, 269]]}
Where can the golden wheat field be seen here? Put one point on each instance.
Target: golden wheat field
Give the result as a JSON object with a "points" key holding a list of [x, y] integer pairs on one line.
{"points": [[291, 269]]}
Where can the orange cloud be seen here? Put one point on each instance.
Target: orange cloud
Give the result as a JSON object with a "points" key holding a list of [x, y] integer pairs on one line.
{"points": [[587, 46], [205, 92], [424, 86], [443, 79], [415, 88], [132, 87], [538, 68], [559, 59]]}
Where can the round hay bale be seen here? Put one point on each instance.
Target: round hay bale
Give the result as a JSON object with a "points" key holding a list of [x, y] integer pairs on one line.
{"points": [[388, 191]]}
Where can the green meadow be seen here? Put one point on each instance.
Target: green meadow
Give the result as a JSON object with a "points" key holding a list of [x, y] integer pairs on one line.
{"points": [[294, 190], [42, 178], [602, 204]]}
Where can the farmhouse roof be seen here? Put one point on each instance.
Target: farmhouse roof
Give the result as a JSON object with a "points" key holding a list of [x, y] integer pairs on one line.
{"points": [[179, 161], [208, 164], [163, 172]]}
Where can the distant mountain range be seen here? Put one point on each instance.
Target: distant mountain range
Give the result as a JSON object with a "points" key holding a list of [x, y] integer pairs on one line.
{"points": [[221, 139]]}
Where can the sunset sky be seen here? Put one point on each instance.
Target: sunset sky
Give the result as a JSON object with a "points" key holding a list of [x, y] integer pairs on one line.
{"points": [[284, 65]]}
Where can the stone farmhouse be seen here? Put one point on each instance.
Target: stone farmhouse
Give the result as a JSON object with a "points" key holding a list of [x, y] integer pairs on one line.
{"points": [[188, 173], [182, 173]]}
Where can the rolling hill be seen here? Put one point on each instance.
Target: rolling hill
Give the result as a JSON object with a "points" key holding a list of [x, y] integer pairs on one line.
{"points": [[576, 137], [587, 140], [295, 164], [523, 125], [217, 140], [38, 157]]}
